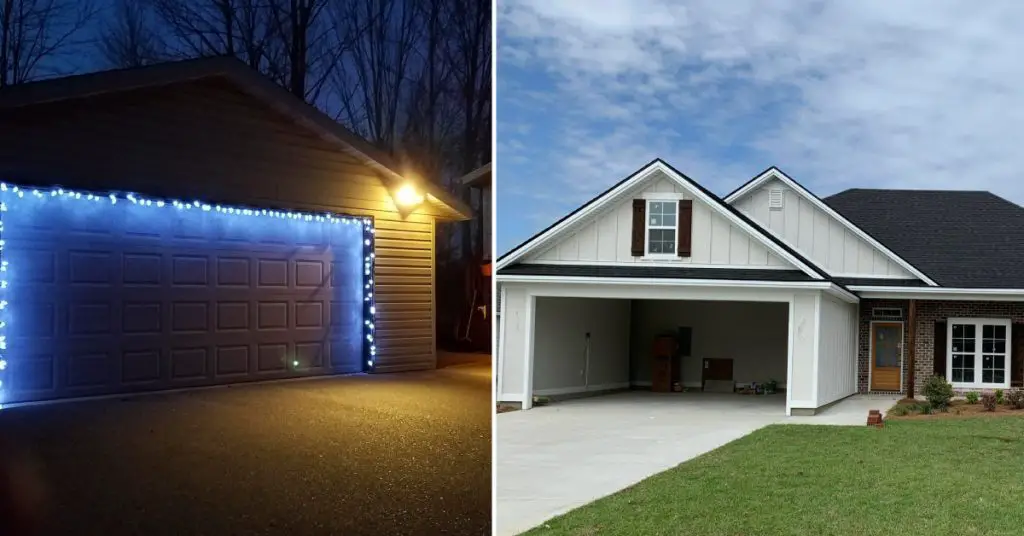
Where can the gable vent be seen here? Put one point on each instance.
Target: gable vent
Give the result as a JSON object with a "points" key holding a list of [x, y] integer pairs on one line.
{"points": [[775, 199]]}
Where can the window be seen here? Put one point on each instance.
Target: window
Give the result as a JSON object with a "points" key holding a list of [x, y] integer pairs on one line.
{"points": [[978, 352], [661, 227]]}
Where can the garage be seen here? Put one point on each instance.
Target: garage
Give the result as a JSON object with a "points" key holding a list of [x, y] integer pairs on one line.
{"points": [[119, 293], [587, 345]]}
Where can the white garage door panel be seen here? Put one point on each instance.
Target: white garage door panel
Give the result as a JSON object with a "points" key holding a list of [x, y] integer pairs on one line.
{"points": [[120, 298]]}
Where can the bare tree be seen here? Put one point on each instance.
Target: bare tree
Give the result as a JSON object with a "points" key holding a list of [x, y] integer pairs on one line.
{"points": [[200, 28], [129, 39], [301, 39], [372, 79], [36, 34]]}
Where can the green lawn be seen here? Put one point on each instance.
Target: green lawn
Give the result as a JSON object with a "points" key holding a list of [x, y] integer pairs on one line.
{"points": [[952, 476]]}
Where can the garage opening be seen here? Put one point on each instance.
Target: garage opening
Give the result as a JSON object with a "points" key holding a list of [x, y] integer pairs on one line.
{"points": [[108, 295], [589, 346]]}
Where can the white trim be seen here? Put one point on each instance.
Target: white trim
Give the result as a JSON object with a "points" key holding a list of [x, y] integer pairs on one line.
{"points": [[789, 353], [581, 389], [817, 347], [978, 324], [657, 166], [776, 173], [511, 397], [647, 232], [871, 349], [829, 287], [799, 404], [663, 196], [870, 276], [939, 293], [677, 262], [501, 345], [529, 317]]}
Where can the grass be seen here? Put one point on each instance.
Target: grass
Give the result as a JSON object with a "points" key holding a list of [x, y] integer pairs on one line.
{"points": [[911, 477]]}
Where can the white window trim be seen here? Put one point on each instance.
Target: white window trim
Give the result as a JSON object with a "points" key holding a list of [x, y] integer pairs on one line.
{"points": [[978, 334], [654, 198]]}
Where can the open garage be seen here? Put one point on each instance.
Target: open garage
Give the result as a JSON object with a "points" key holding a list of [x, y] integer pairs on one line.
{"points": [[571, 340]]}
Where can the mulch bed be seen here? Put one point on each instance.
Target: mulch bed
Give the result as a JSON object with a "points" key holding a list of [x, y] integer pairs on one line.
{"points": [[957, 409]]}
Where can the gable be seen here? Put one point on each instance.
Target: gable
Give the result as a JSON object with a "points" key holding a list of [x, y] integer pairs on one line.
{"points": [[801, 220], [202, 138], [606, 237], [733, 239]]}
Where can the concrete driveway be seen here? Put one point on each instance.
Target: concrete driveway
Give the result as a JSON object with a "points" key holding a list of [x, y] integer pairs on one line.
{"points": [[556, 458], [404, 453]]}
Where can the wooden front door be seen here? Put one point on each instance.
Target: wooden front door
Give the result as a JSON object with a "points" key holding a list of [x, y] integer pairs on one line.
{"points": [[886, 355]]}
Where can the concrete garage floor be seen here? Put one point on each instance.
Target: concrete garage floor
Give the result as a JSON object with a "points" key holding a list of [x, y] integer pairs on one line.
{"points": [[555, 458], [405, 453]]}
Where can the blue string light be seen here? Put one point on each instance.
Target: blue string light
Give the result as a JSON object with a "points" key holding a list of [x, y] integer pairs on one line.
{"points": [[369, 302]]}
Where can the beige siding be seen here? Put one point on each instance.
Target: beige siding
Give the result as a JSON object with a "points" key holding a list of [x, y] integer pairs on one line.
{"points": [[606, 237], [205, 139], [818, 236]]}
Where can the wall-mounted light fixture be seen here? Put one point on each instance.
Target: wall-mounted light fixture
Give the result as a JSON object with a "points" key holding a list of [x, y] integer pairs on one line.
{"points": [[407, 196]]}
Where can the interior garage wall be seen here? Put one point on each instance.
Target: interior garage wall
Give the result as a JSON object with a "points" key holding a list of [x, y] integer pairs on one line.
{"points": [[560, 349], [837, 350], [753, 334]]}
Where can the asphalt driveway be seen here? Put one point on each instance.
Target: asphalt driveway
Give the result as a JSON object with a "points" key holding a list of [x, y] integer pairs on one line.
{"points": [[384, 454]]}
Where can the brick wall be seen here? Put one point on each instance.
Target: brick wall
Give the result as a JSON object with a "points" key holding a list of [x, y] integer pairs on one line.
{"points": [[928, 312]]}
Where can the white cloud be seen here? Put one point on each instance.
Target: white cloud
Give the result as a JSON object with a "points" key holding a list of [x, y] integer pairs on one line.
{"points": [[839, 94]]}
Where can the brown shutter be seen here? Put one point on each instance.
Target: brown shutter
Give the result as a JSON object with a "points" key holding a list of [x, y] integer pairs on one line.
{"points": [[939, 365], [685, 227], [639, 227], [1017, 355]]}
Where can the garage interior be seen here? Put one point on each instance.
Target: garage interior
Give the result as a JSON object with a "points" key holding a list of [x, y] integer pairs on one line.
{"points": [[593, 346]]}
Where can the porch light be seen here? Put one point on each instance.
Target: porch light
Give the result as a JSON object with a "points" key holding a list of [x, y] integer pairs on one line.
{"points": [[407, 196]]}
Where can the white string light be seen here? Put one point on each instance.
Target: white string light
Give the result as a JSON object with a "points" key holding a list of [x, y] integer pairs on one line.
{"points": [[369, 310]]}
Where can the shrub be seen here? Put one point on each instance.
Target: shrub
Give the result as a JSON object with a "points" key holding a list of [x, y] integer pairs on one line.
{"points": [[1015, 398], [999, 396], [988, 399], [938, 392], [972, 397], [925, 408], [900, 410]]}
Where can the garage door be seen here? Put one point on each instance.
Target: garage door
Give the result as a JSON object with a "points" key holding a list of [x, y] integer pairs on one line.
{"points": [[112, 297]]}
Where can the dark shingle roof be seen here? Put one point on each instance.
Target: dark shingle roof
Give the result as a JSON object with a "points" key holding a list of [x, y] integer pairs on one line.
{"points": [[958, 238], [655, 272]]}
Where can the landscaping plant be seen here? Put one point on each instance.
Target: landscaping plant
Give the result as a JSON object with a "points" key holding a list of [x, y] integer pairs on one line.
{"points": [[972, 397], [1015, 398], [988, 399], [999, 396], [938, 392]]}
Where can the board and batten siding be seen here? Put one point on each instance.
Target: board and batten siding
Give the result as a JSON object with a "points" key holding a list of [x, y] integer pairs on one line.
{"points": [[818, 236], [837, 349], [205, 139], [801, 380], [606, 237], [512, 346]]}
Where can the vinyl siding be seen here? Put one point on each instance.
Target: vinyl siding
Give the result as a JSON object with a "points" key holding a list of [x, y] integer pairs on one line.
{"points": [[512, 352], [606, 237], [205, 139], [816, 235]]}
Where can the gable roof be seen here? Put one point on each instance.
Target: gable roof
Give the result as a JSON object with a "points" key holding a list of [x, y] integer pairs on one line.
{"points": [[965, 239], [776, 173], [246, 79], [732, 214]]}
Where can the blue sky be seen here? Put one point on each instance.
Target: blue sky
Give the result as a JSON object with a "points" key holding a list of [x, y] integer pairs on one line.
{"points": [[919, 94]]}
